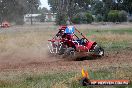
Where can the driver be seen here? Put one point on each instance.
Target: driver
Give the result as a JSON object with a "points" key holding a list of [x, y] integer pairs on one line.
{"points": [[81, 41]]}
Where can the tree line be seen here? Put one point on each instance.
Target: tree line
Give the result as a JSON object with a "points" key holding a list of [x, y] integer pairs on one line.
{"points": [[85, 11], [75, 11]]}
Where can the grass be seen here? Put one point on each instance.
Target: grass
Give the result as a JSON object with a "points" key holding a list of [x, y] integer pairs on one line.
{"points": [[36, 81], [116, 39], [64, 79], [120, 31]]}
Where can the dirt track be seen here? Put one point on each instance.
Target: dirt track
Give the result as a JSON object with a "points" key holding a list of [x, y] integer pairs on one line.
{"points": [[121, 59], [38, 60]]}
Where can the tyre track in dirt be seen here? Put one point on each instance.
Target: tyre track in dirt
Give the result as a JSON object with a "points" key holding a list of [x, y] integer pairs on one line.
{"points": [[118, 59]]}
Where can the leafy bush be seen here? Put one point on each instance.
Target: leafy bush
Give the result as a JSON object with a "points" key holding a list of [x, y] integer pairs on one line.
{"points": [[99, 18], [76, 20], [89, 18], [117, 16], [113, 16], [82, 18], [60, 19], [122, 16], [79, 18]]}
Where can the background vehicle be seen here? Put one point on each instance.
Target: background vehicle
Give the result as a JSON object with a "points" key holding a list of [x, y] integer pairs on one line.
{"points": [[5, 24]]}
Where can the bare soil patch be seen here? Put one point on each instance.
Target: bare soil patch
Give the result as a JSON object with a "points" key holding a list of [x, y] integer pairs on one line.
{"points": [[116, 59]]}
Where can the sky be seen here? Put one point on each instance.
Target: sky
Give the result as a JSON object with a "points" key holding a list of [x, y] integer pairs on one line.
{"points": [[44, 3]]}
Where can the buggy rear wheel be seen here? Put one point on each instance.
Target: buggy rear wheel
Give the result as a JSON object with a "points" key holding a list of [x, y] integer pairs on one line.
{"points": [[70, 53]]}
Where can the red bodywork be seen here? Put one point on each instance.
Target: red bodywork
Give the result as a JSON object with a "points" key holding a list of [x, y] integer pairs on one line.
{"points": [[86, 47]]}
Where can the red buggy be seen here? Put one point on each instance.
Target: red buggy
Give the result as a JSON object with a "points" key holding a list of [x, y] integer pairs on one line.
{"points": [[67, 43], [5, 24]]}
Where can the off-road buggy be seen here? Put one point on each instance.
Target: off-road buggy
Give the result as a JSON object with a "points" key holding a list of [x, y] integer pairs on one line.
{"points": [[68, 44], [5, 24]]}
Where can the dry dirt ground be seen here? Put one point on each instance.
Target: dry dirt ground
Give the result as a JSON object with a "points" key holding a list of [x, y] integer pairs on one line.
{"points": [[32, 56]]}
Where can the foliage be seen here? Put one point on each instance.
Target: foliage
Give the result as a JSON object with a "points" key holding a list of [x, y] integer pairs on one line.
{"points": [[99, 8], [60, 19], [82, 18], [76, 20], [122, 16], [99, 18], [117, 16], [113, 16], [69, 8], [127, 4], [14, 10], [89, 18], [43, 11]]}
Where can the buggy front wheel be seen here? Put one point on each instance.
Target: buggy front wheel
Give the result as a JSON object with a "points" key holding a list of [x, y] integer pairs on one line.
{"points": [[99, 51]]}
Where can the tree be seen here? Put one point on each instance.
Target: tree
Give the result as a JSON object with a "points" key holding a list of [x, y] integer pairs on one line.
{"points": [[31, 6], [43, 10], [14, 10], [127, 5], [66, 9], [117, 16], [98, 7]]}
